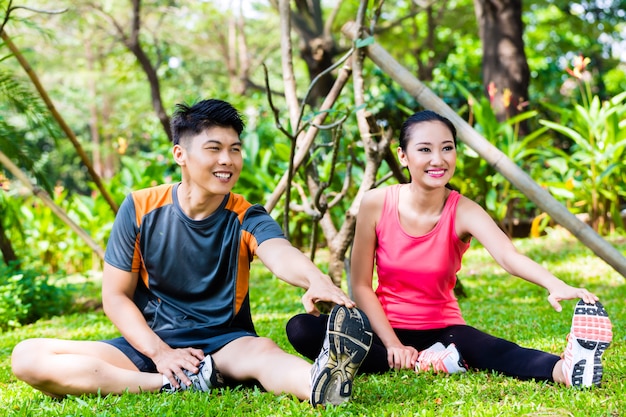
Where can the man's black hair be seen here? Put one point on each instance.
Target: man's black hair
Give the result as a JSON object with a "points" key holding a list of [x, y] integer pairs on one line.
{"points": [[192, 120]]}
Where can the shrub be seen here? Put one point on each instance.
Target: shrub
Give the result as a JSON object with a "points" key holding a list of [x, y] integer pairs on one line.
{"points": [[28, 295]]}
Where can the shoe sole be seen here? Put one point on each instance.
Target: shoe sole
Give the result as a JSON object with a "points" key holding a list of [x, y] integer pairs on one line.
{"points": [[589, 337], [350, 338]]}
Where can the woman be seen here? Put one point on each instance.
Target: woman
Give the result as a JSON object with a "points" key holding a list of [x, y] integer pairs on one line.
{"points": [[416, 235]]}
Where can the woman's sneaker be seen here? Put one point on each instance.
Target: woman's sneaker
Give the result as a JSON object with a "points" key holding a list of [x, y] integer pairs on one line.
{"points": [[440, 359], [207, 377], [589, 337], [348, 339]]}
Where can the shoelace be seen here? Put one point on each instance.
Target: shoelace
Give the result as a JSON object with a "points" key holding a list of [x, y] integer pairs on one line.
{"points": [[426, 359]]}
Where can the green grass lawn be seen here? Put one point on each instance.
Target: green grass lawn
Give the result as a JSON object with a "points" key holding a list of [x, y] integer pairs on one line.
{"points": [[500, 304]]}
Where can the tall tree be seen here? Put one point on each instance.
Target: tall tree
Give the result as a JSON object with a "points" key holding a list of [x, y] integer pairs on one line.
{"points": [[316, 43], [132, 40], [505, 69]]}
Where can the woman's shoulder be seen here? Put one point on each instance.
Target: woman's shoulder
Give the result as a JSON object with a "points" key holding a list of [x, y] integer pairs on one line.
{"points": [[466, 202], [468, 212], [373, 201], [377, 192], [376, 196]]}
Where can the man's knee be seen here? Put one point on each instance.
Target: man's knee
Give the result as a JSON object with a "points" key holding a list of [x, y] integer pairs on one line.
{"points": [[265, 345], [24, 358]]}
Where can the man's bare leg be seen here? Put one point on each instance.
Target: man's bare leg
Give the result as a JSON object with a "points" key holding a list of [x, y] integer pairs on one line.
{"points": [[60, 367], [259, 358]]}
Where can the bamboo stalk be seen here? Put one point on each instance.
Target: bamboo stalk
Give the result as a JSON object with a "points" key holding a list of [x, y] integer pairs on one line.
{"points": [[493, 155]]}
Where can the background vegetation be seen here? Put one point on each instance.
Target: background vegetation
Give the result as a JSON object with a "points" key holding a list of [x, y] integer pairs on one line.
{"points": [[86, 89]]}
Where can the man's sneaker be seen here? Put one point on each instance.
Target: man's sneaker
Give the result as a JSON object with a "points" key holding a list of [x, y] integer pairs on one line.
{"points": [[440, 359], [348, 339], [589, 337], [207, 377]]}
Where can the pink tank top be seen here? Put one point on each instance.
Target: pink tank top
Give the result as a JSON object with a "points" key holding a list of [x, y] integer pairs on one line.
{"points": [[416, 274]]}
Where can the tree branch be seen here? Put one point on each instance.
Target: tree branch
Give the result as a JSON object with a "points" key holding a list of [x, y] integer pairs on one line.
{"points": [[45, 197], [57, 116]]}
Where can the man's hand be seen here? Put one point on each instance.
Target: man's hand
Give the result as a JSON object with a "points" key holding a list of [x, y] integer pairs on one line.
{"points": [[170, 362], [324, 289]]}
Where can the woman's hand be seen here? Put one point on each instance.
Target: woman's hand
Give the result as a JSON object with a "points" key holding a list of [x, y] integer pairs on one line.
{"points": [[567, 292], [400, 357]]}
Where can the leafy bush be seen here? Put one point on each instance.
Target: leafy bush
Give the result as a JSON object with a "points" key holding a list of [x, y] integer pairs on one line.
{"points": [[594, 167], [478, 180], [28, 295]]}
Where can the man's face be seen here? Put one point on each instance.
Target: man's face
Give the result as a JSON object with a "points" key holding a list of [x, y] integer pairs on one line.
{"points": [[211, 160]]}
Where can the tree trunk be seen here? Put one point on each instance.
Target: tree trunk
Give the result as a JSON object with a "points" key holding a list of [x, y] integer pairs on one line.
{"points": [[8, 254], [504, 69], [317, 46], [134, 45], [235, 49], [376, 143], [96, 155]]}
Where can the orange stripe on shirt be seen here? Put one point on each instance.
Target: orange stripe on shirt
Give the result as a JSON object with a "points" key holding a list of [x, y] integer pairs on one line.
{"points": [[243, 268], [146, 200], [236, 203]]}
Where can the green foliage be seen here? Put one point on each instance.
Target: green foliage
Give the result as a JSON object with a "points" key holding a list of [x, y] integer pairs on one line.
{"points": [[557, 30], [23, 124], [26, 295], [44, 241], [479, 181], [593, 168]]}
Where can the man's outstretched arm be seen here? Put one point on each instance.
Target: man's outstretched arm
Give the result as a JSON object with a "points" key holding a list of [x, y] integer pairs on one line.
{"points": [[292, 266]]}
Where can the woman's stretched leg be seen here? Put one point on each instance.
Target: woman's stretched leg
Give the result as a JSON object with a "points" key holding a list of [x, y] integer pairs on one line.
{"points": [[486, 352]]}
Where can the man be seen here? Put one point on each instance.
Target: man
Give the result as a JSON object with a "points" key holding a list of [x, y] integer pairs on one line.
{"points": [[175, 283]]}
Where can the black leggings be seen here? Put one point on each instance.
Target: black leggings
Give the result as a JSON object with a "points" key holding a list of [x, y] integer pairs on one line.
{"points": [[479, 350]]}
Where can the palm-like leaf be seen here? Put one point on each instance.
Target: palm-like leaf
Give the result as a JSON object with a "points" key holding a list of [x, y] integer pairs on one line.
{"points": [[23, 112]]}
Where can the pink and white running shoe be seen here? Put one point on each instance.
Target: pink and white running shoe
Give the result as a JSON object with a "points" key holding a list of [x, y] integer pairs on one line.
{"points": [[440, 359], [589, 337]]}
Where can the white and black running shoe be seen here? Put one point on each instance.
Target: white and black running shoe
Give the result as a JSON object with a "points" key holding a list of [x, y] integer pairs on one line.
{"points": [[208, 377], [348, 340]]}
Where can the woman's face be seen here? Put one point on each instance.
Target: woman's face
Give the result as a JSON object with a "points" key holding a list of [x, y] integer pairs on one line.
{"points": [[430, 154]]}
